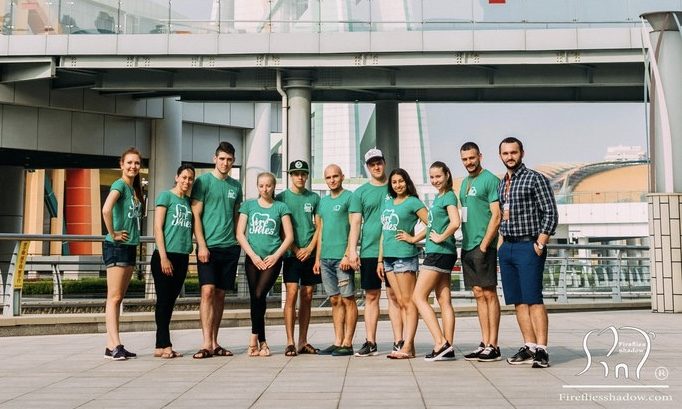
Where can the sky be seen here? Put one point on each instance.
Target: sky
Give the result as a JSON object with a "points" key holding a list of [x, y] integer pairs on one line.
{"points": [[550, 132]]}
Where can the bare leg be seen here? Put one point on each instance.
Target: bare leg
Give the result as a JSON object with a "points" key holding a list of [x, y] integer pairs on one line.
{"points": [[493, 309], [425, 283], [218, 308], [338, 318], [525, 324], [351, 319], [447, 313], [406, 282], [118, 279], [290, 311], [396, 315], [482, 310], [304, 314], [372, 314], [206, 314], [540, 322]]}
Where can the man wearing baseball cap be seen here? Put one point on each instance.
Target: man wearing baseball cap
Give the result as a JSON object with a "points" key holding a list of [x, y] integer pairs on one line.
{"points": [[365, 212], [299, 260]]}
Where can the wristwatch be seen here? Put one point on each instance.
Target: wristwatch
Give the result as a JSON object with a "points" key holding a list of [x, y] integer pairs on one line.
{"points": [[540, 245]]}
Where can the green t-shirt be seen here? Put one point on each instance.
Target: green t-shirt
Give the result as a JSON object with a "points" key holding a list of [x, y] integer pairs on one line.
{"points": [[220, 199], [439, 221], [399, 217], [264, 225], [476, 195], [368, 200], [303, 208], [177, 227], [335, 225], [126, 213]]}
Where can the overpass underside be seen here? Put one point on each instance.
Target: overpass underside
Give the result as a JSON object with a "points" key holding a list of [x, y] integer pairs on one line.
{"points": [[590, 76]]}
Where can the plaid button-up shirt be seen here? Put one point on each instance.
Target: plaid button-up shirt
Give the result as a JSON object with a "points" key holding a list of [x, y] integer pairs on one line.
{"points": [[532, 206]]}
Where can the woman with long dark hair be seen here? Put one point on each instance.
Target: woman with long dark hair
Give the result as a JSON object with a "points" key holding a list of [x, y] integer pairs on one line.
{"points": [[398, 261], [121, 213], [173, 237], [262, 223]]}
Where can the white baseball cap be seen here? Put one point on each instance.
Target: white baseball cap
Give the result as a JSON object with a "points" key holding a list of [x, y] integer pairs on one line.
{"points": [[372, 154]]}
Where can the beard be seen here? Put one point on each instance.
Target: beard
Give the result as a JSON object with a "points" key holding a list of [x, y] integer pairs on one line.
{"points": [[512, 167]]}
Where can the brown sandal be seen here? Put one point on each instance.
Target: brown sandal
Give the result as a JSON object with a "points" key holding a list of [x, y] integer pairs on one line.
{"points": [[308, 349], [202, 353], [220, 351], [264, 349], [290, 350], [171, 355]]}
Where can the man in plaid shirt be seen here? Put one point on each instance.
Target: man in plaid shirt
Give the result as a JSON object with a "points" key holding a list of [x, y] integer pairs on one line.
{"points": [[529, 218]]}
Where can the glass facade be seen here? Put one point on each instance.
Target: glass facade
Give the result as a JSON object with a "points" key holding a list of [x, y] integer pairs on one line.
{"points": [[20, 17]]}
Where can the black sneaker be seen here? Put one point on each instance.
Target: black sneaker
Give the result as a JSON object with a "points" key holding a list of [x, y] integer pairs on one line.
{"points": [[329, 350], [490, 354], [473, 355], [343, 351], [116, 354], [445, 353], [127, 353], [541, 359], [397, 346], [368, 349], [524, 356]]}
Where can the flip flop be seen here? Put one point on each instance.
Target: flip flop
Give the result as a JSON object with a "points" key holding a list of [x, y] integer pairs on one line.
{"points": [[220, 351], [202, 353], [308, 349], [290, 351]]}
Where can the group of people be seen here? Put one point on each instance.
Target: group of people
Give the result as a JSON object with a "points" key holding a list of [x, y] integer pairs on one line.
{"points": [[327, 240]]}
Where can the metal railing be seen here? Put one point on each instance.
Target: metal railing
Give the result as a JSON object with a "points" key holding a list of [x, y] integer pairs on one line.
{"points": [[21, 17], [573, 272]]}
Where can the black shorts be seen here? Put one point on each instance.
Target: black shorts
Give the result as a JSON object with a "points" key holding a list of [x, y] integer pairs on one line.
{"points": [[300, 272], [439, 262], [479, 269], [118, 254], [221, 269], [369, 279]]}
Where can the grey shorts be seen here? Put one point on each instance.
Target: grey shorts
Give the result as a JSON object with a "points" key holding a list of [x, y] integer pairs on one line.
{"points": [[335, 280], [398, 265], [479, 269]]}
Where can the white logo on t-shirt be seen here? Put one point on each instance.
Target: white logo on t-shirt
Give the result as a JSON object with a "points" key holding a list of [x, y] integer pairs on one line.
{"points": [[231, 194], [390, 220], [261, 223], [472, 191], [182, 216], [308, 207]]}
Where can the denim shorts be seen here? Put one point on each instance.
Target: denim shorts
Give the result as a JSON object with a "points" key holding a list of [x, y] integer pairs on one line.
{"points": [[118, 255], [399, 265], [335, 280]]}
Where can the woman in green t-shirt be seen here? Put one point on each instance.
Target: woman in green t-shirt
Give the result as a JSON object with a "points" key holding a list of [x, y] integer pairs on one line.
{"points": [[173, 237], [441, 256], [262, 223], [398, 260], [121, 214]]}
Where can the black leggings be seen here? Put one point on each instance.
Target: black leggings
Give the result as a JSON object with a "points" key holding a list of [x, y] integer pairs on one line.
{"points": [[260, 284], [167, 291]]}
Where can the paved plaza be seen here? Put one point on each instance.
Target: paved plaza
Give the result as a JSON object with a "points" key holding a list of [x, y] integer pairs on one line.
{"points": [[68, 371]]}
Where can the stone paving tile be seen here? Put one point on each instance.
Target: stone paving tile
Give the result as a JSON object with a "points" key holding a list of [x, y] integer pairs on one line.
{"points": [[70, 371]]}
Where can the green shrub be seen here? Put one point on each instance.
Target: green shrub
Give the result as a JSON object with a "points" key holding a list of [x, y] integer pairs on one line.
{"points": [[76, 287]]}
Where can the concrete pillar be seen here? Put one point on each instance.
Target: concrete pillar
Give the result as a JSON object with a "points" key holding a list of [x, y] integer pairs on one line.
{"points": [[11, 211], [257, 153], [665, 205], [298, 87], [666, 253], [387, 132], [666, 54], [34, 208], [165, 155]]}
